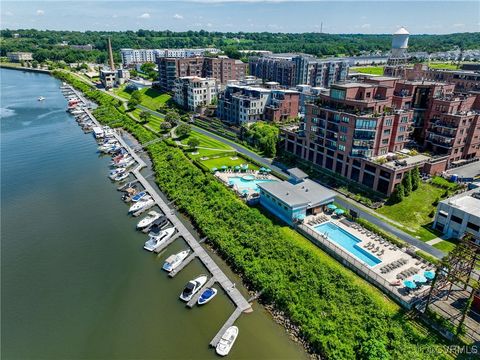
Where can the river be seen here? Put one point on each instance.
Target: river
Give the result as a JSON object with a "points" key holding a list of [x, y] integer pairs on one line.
{"points": [[75, 281]]}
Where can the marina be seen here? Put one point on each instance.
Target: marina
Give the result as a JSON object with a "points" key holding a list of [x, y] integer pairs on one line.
{"points": [[242, 305]]}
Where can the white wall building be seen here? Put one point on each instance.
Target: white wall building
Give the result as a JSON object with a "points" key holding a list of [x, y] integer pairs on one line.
{"points": [[191, 92], [140, 56]]}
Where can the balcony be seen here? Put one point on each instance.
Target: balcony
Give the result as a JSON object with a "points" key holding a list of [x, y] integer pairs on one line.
{"points": [[442, 133], [440, 141], [444, 125]]}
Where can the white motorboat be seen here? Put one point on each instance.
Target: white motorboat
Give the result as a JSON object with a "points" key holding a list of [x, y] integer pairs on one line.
{"points": [[207, 295], [41, 98], [173, 261], [98, 132], [121, 177], [192, 287], [226, 342], [115, 172], [145, 202], [148, 220], [124, 161], [154, 242]]}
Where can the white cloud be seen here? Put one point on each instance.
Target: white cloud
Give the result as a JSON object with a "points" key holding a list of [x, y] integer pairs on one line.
{"points": [[458, 25], [8, 13], [40, 12], [145, 16], [365, 26], [114, 16], [178, 17], [209, 25]]}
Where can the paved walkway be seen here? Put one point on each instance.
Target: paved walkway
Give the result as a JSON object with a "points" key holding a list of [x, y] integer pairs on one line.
{"points": [[434, 241]]}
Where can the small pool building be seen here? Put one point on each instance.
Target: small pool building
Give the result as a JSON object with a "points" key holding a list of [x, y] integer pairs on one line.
{"points": [[296, 198]]}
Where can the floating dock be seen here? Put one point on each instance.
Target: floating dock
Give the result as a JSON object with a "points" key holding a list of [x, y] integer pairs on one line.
{"points": [[184, 263]]}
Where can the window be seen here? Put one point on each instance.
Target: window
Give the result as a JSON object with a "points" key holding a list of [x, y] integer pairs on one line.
{"points": [[386, 132], [456, 219], [404, 119], [473, 226], [343, 129], [384, 141], [345, 119], [337, 94], [388, 122], [343, 138], [341, 147], [365, 124]]}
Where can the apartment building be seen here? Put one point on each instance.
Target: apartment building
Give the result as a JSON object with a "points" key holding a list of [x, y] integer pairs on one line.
{"points": [[222, 69], [19, 56], [243, 104], [191, 92], [108, 78], [294, 69], [140, 56]]}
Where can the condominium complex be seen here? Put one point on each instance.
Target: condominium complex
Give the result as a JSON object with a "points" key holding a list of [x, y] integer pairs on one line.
{"points": [[140, 56], [294, 69], [19, 56], [222, 68], [191, 92], [242, 104]]}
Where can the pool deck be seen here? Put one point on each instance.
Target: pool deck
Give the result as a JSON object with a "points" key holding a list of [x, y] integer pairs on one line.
{"points": [[390, 253], [224, 177]]}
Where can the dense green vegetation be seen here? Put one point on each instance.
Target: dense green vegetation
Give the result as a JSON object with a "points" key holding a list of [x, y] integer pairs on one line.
{"points": [[340, 315], [262, 136], [148, 97], [45, 43], [372, 70]]}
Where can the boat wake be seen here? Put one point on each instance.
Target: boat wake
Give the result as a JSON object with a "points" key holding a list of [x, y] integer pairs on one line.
{"points": [[6, 112]]}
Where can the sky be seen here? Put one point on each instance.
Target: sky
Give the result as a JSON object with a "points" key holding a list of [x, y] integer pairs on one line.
{"points": [[341, 16]]}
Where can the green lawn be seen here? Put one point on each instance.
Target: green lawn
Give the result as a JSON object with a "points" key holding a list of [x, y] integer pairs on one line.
{"points": [[413, 211], [445, 245], [227, 161], [443, 65], [151, 98], [153, 122], [206, 141], [373, 70]]}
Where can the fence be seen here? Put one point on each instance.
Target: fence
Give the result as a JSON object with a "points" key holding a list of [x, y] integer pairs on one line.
{"points": [[353, 264]]}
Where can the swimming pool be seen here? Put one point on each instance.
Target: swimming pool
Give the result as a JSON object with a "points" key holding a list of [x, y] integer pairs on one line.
{"points": [[243, 184], [348, 242]]}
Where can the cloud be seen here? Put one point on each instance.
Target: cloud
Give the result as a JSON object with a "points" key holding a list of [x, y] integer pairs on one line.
{"points": [[8, 13], [178, 17], [145, 16], [40, 12], [209, 25], [365, 26], [458, 25]]}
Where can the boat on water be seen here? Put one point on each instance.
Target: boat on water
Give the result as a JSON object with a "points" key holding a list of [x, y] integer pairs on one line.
{"points": [[148, 220], [192, 287], [154, 242], [139, 196], [41, 98], [226, 342], [142, 204], [115, 172], [98, 132], [207, 295], [156, 226], [121, 177], [173, 261]]}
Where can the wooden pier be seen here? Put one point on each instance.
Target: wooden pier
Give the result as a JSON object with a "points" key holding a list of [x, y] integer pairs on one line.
{"points": [[184, 263], [195, 297], [217, 275]]}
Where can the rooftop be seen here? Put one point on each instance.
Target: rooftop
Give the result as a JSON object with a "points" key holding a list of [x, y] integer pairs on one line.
{"points": [[306, 192], [466, 201], [296, 172]]}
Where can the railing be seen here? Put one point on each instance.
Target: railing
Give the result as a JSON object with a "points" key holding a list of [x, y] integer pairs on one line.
{"points": [[358, 267]]}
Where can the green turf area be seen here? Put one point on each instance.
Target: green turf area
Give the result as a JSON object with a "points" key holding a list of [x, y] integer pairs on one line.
{"points": [[206, 141], [443, 183], [153, 121], [413, 211], [445, 245], [443, 65], [373, 70], [151, 98], [227, 161]]}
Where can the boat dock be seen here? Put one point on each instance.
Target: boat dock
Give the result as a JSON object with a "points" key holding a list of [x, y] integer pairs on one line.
{"points": [[168, 242], [217, 275]]}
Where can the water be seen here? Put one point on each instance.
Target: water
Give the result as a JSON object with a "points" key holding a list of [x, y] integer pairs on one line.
{"points": [[348, 242], [243, 184], [76, 282]]}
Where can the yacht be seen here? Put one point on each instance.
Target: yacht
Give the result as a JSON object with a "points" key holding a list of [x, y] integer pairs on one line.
{"points": [[192, 287], [142, 204], [148, 220], [127, 164], [121, 177], [226, 342], [173, 261], [124, 161], [207, 295], [114, 173], [41, 98], [156, 226], [154, 242]]}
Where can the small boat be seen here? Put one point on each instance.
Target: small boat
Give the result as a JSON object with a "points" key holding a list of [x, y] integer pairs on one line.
{"points": [[114, 173], [154, 242], [226, 342], [98, 132], [127, 164], [142, 204], [173, 261], [156, 227], [124, 161], [192, 287], [139, 196], [207, 295], [121, 177], [148, 220], [41, 98]]}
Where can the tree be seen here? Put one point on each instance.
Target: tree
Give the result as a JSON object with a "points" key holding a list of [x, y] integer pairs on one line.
{"points": [[165, 126], [172, 117], [144, 116], [193, 143], [415, 178], [183, 130], [137, 95], [407, 183], [398, 194], [132, 103]]}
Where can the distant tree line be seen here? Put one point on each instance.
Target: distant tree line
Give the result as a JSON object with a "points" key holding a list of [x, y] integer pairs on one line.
{"points": [[45, 44]]}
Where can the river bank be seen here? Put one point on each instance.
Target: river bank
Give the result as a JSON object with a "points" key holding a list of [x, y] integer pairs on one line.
{"points": [[14, 66]]}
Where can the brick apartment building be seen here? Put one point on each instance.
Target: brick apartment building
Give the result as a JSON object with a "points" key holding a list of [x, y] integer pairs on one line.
{"points": [[243, 104], [356, 130], [222, 68], [293, 69]]}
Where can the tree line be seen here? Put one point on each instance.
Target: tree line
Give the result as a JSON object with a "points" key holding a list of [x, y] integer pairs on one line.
{"points": [[45, 44]]}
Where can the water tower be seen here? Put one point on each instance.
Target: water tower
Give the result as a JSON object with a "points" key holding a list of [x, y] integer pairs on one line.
{"points": [[398, 54]]}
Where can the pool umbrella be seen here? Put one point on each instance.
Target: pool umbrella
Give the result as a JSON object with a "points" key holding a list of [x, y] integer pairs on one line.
{"points": [[429, 274], [224, 167], [339, 211], [331, 207], [262, 169], [419, 278], [268, 170], [214, 169], [409, 284], [237, 167], [244, 166]]}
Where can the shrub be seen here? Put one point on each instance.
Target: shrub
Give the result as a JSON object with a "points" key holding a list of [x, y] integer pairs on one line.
{"points": [[398, 194], [407, 183]]}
